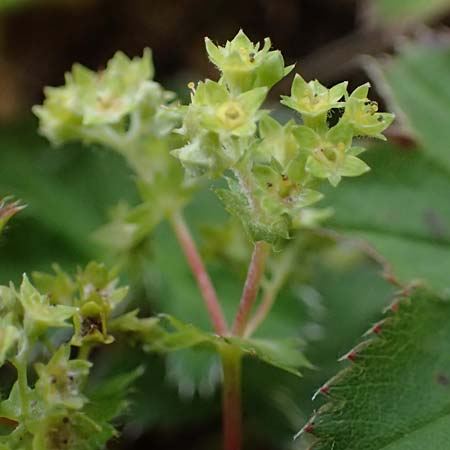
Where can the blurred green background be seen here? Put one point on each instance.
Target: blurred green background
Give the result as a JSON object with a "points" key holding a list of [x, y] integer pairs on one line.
{"points": [[401, 208]]}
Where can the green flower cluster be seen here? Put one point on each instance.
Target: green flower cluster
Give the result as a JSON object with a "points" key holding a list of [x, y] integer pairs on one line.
{"points": [[273, 169], [92, 294], [54, 413], [123, 109], [95, 106], [221, 120]]}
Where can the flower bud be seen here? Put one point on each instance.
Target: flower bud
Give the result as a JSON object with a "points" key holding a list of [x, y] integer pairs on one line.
{"points": [[61, 379], [244, 66]]}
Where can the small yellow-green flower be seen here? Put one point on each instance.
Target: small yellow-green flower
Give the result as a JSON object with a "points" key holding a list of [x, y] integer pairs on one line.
{"points": [[98, 296], [363, 116], [89, 99], [61, 379], [280, 193], [62, 431], [244, 66], [106, 97], [219, 111], [331, 156], [214, 121], [313, 99], [277, 141]]}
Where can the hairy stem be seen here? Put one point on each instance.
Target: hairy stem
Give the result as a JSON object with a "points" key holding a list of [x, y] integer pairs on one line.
{"points": [[251, 286], [20, 363], [231, 403], [200, 273], [271, 290]]}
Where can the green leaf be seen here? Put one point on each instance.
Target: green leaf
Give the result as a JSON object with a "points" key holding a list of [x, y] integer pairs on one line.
{"points": [[193, 370], [257, 230], [395, 394], [401, 209], [284, 354], [419, 79], [50, 181], [107, 399]]}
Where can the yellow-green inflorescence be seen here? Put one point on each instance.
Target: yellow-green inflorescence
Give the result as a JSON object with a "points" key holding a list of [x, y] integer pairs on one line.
{"points": [[58, 319], [273, 169], [123, 109]]}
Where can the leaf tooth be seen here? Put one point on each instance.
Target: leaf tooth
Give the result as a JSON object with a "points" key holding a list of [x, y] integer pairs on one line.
{"points": [[308, 428], [349, 356], [355, 352], [323, 390], [375, 328], [401, 295], [407, 290], [393, 306]]}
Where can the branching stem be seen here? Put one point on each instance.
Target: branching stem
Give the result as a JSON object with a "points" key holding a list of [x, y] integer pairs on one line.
{"points": [[251, 286], [271, 289]]}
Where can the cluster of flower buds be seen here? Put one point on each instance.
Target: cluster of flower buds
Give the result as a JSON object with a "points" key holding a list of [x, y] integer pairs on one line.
{"points": [[104, 106], [91, 296], [273, 169], [54, 413], [7, 210], [123, 109]]}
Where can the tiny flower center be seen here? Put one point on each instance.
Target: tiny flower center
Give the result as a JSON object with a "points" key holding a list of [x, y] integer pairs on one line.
{"points": [[231, 114]]}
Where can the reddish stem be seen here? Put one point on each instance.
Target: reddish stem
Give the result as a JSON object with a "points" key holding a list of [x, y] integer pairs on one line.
{"points": [[200, 273], [231, 403], [251, 287], [261, 313], [280, 273]]}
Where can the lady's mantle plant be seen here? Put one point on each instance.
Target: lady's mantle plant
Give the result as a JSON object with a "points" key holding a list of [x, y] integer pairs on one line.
{"points": [[273, 173]]}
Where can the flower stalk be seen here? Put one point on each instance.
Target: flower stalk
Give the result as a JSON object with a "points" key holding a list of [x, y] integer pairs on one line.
{"points": [[271, 290], [200, 273], [251, 286]]}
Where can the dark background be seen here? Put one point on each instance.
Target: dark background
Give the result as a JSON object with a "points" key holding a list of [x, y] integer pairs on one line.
{"points": [[40, 40]]}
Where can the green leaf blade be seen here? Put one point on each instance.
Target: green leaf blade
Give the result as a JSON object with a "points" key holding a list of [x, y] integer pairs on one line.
{"points": [[395, 395]]}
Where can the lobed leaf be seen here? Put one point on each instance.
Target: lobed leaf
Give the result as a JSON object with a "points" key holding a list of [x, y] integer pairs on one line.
{"points": [[395, 395], [175, 335]]}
